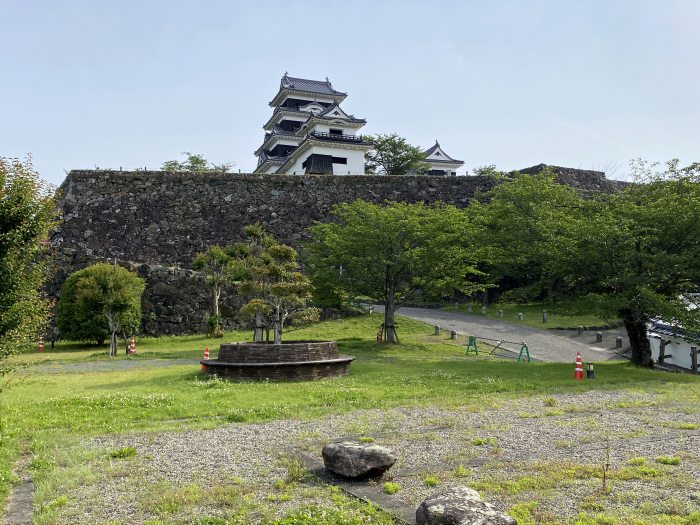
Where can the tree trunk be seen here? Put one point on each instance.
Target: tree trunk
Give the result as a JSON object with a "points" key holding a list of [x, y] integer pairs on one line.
{"points": [[389, 308], [278, 332], [636, 327], [258, 331], [113, 342], [216, 293]]}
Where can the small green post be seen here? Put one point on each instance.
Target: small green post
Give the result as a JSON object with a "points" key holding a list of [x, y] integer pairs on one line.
{"points": [[472, 344], [524, 350]]}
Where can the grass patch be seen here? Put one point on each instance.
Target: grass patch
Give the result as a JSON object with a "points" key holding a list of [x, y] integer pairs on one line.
{"points": [[76, 392], [566, 316]]}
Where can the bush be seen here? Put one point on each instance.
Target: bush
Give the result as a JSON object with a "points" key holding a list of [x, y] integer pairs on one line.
{"points": [[85, 320], [75, 322]]}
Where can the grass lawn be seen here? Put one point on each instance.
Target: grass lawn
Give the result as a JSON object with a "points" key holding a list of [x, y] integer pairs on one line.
{"points": [[562, 316], [45, 407]]}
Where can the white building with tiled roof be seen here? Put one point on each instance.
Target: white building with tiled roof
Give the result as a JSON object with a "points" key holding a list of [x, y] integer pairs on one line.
{"points": [[440, 162], [309, 132]]}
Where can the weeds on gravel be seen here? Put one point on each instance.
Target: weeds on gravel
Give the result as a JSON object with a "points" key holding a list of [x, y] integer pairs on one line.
{"points": [[480, 441], [522, 512], [461, 471], [431, 481], [668, 460], [550, 401], [296, 472], [391, 488], [166, 499], [680, 425], [123, 453]]}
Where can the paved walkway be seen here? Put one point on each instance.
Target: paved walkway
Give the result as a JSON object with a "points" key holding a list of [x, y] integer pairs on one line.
{"points": [[544, 345]]}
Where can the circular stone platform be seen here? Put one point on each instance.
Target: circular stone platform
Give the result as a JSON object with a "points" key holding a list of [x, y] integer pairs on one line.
{"points": [[293, 361]]}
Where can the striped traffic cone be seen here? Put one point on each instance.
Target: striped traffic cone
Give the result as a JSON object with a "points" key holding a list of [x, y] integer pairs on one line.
{"points": [[132, 346], [578, 374], [206, 356], [40, 346]]}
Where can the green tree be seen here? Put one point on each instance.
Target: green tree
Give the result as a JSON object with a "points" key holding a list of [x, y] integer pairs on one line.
{"points": [[116, 293], [633, 255], [394, 254], [197, 164], [393, 155], [277, 291], [217, 264], [26, 214], [639, 257]]}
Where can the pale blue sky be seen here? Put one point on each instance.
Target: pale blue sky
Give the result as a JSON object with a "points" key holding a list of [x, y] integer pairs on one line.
{"points": [[586, 84]]}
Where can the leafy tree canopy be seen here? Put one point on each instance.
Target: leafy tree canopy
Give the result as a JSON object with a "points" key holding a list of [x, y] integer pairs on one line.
{"points": [[632, 255], [26, 214], [393, 155], [197, 164], [394, 254]]}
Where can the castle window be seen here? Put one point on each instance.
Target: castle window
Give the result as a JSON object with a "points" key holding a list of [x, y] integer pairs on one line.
{"points": [[336, 132], [340, 160]]}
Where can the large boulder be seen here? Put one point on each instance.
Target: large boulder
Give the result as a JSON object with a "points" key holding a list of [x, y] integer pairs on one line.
{"points": [[357, 461], [459, 506]]}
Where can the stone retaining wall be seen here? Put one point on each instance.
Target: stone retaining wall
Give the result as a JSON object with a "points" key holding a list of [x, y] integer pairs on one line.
{"points": [[156, 222]]}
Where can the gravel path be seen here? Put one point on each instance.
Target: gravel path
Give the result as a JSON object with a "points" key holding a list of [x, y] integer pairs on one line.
{"points": [[539, 439], [543, 345], [108, 365]]}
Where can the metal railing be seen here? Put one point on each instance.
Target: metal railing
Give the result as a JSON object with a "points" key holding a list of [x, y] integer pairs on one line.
{"points": [[336, 136]]}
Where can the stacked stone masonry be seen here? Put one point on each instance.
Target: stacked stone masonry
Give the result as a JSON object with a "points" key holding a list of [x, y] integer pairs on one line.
{"points": [[155, 222]]}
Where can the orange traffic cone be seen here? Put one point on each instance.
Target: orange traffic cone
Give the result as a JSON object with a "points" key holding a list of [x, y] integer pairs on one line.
{"points": [[40, 346], [132, 346], [206, 356], [578, 374]]}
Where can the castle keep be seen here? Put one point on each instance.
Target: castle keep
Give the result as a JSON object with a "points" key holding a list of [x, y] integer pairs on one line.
{"points": [[310, 133]]}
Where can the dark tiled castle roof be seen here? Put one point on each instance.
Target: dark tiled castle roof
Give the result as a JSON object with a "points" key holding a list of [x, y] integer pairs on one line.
{"points": [[310, 86], [436, 147]]}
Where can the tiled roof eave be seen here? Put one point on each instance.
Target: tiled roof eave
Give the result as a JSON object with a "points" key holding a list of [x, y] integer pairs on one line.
{"points": [[270, 139], [288, 91], [434, 161]]}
